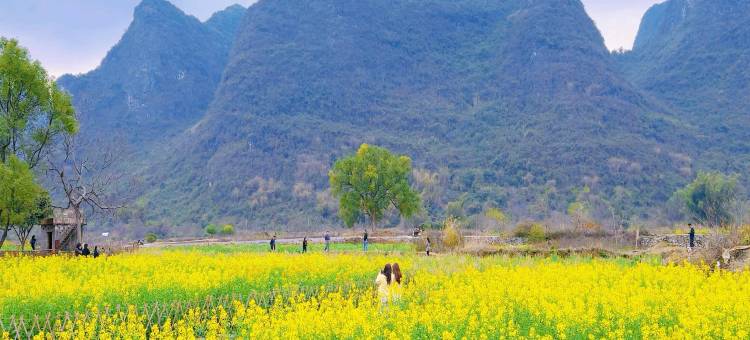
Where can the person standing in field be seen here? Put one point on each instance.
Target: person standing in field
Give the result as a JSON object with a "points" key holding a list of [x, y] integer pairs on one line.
{"points": [[304, 245], [96, 252], [33, 242], [364, 241], [691, 236], [327, 239], [396, 282], [382, 281], [86, 251], [273, 243], [427, 247]]}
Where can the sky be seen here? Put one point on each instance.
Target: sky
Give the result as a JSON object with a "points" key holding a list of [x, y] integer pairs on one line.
{"points": [[73, 36]]}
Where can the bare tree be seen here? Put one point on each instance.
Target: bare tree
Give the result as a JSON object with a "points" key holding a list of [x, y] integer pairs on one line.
{"points": [[87, 181]]}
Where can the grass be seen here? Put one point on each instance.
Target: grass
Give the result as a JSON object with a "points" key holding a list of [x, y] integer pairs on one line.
{"points": [[10, 246]]}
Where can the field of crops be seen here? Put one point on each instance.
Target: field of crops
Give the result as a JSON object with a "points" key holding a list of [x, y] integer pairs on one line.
{"points": [[316, 295]]}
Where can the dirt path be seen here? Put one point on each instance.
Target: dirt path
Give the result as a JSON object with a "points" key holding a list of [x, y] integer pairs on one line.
{"points": [[295, 240]]}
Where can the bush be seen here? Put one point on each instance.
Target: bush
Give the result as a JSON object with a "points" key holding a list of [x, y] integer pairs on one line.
{"points": [[531, 231], [151, 238], [451, 233], [227, 229], [211, 229], [744, 233]]}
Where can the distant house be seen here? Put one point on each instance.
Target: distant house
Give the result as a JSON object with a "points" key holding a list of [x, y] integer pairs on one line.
{"points": [[63, 230]]}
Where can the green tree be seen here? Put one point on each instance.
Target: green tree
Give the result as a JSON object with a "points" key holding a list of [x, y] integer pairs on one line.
{"points": [[33, 110], [211, 229], [227, 229], [370, 182], [42, 210], [151, 237], [19, 194], [709, 199]]}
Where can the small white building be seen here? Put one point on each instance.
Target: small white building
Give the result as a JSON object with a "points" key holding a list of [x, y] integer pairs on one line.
{"points": [[63, 230]]}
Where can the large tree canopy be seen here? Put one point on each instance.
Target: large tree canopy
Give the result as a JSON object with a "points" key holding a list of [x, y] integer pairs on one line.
{"points": [[370, 182], [710, 197], [33, 110]]}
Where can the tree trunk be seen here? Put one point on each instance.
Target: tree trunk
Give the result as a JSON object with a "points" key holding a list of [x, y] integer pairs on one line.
{"points": [[79, 225], [22, 239], [5, 235], [5, 229]]}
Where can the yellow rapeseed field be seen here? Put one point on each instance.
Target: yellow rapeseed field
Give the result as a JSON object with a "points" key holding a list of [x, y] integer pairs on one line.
{"points": [[317, 296]]}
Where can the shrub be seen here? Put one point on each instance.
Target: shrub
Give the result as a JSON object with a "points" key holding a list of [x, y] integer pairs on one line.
{"points": [[451, 233], [211, 229], [744, 233], [227, 229], [151, 238], [532, 231]]}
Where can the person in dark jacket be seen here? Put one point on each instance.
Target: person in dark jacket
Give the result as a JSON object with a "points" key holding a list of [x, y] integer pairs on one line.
{"points": [[692, 236], [79, 250], [96, 252], [273, 243], [33, 242], [304, 245], [86, 251], [327, 239], [364, 241]]}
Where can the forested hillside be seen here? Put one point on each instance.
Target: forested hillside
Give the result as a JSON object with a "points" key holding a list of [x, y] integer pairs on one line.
{"points": [[514, 105], [510, 104], [693, 55]]}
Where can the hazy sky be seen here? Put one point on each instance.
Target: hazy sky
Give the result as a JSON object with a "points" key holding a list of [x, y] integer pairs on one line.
{"points": [[72, 36]]}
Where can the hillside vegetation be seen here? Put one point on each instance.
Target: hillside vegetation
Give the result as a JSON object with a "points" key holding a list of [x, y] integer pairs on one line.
{"points": [[514, 105]]}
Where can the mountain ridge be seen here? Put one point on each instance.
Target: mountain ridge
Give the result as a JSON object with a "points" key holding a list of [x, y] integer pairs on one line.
{"points": [[157, 80], [517, 105], [452, 85]]}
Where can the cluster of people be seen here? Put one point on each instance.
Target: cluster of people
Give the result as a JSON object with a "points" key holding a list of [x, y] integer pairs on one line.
{"points": [[83, 250], [388, 282]]}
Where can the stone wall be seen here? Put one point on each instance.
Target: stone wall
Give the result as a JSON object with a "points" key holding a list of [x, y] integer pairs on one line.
{"points": [[682, 240], [497, 240]]}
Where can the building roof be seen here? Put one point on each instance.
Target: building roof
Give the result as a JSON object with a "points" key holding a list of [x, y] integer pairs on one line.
{"points": [[63, 217]]}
